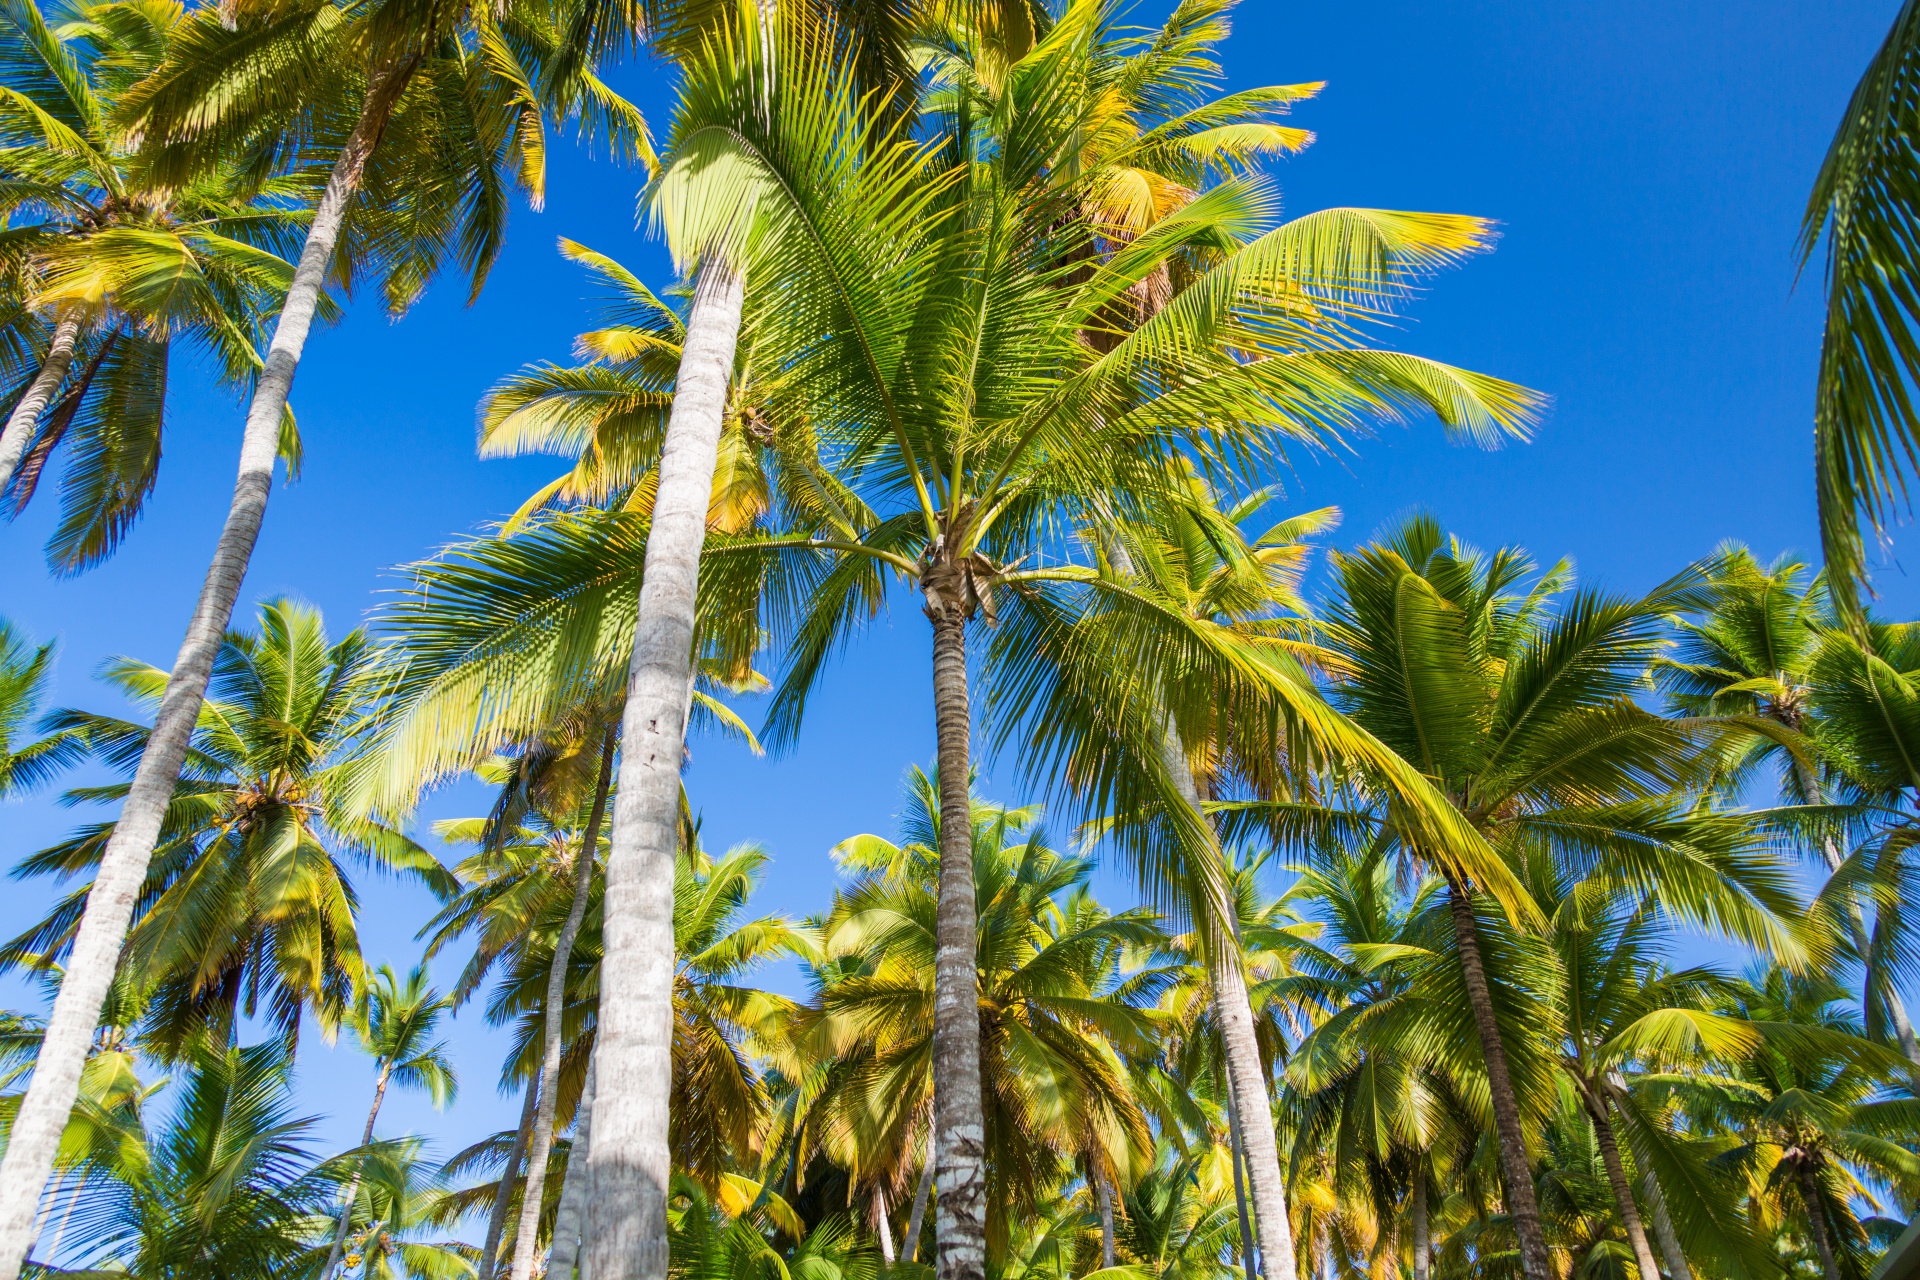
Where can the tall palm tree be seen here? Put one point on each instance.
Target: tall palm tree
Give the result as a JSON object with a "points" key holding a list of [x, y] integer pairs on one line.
{"points": [[1518, 705], [122, 265], [409, 183], [395, 1022], [248, 905], [397, 1199]]}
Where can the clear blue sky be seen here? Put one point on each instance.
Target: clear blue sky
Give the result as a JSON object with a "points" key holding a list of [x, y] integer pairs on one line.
{"points": [[1648, 162]]}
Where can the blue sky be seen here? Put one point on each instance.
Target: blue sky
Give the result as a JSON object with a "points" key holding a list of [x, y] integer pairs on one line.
{"points": [[1648, 162]]}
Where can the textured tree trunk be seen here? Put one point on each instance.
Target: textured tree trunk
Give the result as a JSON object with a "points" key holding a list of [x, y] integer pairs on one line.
{"points": [[25, 417], [1817, 1219], [1622, 1189], [1246, 1078], [123, 865], [1516, 1170], [1670, 1251], [881, 1227], [910, 1244], [565, 1256], [503, 1194], [1236, 1155], [1422, 1229], [353, 1183], [526, 1241], [959, 1132], [626, 1236], [1105, 1199]]}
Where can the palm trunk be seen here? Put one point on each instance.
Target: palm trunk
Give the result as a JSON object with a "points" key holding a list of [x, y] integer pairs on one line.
{"points": [[1670, 1251], [1104, 1197], [66, 1214], [526, 1241], [25, 418], [910, 1243], [573, 1196], [353, 1184], [1622, 1189], [1902, 1027], [1252, 1110], [626, 1236], [503, 1194], [123, 865], [1422, 1229], [1515, 1168], [1236, 1155], [1816, 1219], [881, 1227], [959, 1131]]}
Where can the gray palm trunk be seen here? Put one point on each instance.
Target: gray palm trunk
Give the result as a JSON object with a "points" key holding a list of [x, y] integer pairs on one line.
{"points": [[509, 1178], [1422, 1229], [540, 1143], [123, 864], [626, 1235], [25, 418], [1617, 1179], [568, 1219], [1523, 1207], [1670, 1251], [910, 1243], [959, 1127], [353, 1184], [1809, 1187], [1104, 1198], [882, 1228], [1246, 1076]]}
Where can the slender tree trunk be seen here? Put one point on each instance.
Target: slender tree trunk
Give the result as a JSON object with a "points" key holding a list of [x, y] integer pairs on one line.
{"points": [[1236, 1156], [503, 1194], [1252, 1109], [1670, 1251], [353, 1183], [25, 417], [565, 1256], [1816, 1218], [1104, 1197], [60, 1228], [1857, 926], [881, 1227], [959, 1141], [910, 1245], [1422, 1229], [123, 865], [1516, 1170], [626, 1237], [526, 1242], [1622, 1189]]}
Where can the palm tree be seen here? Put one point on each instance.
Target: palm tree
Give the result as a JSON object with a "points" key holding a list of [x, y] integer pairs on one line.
{"points": [[396, 1197], [395, 1023], [248, 905], [25, 673], [225, 1188], [122, 266], [409, 182], [1866, 204], [1520, 711]]}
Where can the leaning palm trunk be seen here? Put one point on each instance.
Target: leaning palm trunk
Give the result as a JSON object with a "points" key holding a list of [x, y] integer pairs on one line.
{"points": [[353, 1184], [1809, 1187], [1246, 1076], [1105, 1199], [882, 1228], [1670, 1251], [573, 1195], [1523, 1208], [25, 417], [959, 1129], [626, 1236], [123, 865], [526, 1241], [1622, 1189], [509, 1176], [910, 1243]]}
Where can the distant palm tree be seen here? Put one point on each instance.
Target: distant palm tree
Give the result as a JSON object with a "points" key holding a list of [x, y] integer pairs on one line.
{"points": [[395, 1022], [248, 906], [397, 1197]]}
